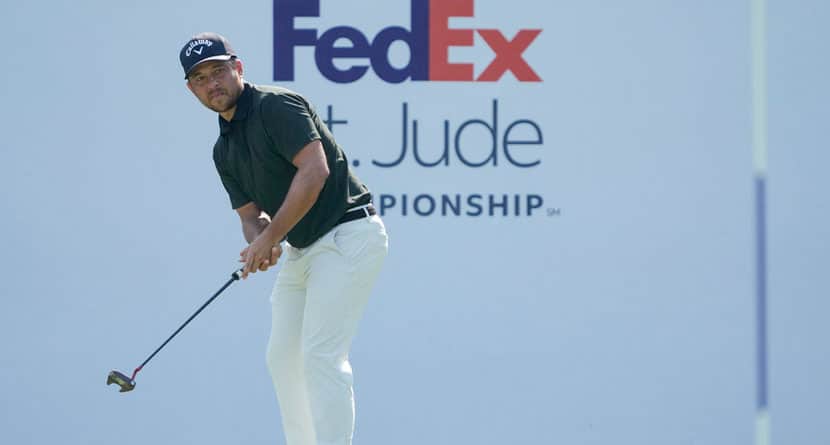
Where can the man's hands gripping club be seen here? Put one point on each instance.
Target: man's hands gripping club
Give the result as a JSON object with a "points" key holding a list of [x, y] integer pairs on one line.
{"points": [[259, 255]]}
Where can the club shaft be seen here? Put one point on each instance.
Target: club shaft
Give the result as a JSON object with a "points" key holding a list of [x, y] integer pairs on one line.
{"points": [[234, 277]]}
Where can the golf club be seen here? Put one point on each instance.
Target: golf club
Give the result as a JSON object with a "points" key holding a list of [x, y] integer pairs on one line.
{"points": [[128, 383]]}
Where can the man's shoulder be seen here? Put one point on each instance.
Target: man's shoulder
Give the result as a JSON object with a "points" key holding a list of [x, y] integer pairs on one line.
{"points": [[275, 94], [219, 149], [278, 101]]}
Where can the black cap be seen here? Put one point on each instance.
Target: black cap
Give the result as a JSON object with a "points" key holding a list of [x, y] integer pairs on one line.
{"points": [[204, 47]]}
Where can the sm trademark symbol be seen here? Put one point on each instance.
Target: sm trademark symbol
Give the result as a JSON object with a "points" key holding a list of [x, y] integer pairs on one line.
{"points": [[554, 212]]}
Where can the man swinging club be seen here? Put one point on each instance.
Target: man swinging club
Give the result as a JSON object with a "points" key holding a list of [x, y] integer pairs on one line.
{"points": [[288, 180]]}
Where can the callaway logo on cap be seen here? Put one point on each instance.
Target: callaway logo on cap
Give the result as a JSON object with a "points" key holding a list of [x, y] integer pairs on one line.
{"points": [[204, 47]]}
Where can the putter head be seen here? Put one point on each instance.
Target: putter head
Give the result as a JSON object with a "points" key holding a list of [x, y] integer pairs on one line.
{"points": [[121, 380]]}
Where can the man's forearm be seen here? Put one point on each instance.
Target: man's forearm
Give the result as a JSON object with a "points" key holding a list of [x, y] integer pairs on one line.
{"points": [[252, 228], [301, 196]]}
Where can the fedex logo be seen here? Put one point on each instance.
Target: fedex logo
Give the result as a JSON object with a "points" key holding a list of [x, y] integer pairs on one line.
{"points": [[429, 39]]}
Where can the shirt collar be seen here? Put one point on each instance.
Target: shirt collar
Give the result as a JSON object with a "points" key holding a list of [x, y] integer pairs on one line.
{"points": [[243, 109]]}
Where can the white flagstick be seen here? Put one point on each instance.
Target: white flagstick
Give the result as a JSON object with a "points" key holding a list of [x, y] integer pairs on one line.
{"points": [[759, 145]]}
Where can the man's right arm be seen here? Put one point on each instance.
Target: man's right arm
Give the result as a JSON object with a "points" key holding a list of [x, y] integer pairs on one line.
{"points": [[254, 221]]}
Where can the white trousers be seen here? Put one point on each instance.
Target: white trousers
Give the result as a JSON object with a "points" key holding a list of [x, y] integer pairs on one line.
{"points": [[317, 301]]}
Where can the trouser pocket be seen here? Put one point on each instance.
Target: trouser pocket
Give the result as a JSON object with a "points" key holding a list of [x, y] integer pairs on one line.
{"points": [[362, 237]]}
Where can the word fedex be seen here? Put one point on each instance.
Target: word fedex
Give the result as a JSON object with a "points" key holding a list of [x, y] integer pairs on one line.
{"points": [[429, 40]]}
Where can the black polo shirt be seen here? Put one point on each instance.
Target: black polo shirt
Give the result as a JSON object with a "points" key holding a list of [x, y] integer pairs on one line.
{"points": [[253, 157]]}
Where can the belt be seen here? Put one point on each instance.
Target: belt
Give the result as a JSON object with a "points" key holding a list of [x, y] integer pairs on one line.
{"points": [[360, 212]]}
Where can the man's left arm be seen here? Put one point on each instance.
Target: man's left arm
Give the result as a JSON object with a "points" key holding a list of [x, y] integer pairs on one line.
{"points": [[312, 171]]}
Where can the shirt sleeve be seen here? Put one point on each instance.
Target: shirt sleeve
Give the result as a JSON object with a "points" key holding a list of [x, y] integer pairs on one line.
{"points": [[237, 196], [288, 122]]}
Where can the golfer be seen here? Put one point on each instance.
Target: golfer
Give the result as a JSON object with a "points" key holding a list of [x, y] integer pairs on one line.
{"points": [[288, 180]]}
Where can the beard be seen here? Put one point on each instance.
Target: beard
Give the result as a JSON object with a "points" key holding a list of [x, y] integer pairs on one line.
{"points": [[221, 100]]}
